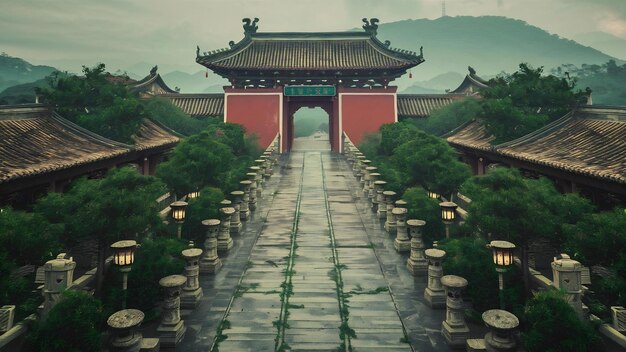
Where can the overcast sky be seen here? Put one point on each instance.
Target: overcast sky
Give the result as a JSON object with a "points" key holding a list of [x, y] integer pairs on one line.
{"points": [[121, 33]]}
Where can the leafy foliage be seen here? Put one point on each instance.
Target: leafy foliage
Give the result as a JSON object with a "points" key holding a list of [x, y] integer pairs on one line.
{"points": [[606, 80], [71, 325], [94, 102], [449, 117], [163, 111], [206, 206], [421, 207], [28, 238], [554, 326]]}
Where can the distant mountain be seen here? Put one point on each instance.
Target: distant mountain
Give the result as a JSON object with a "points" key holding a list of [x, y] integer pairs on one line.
{"points": [[419, 89], [608, 43], [437, 84], [490, 44], [195, 83], [14, 71]]}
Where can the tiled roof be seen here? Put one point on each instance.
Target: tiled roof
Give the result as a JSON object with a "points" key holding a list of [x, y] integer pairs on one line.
{"points": [[309, 51], [151, 84], [198, 104], [590, 141], [471, 85], [34, 141], [422, 105]]}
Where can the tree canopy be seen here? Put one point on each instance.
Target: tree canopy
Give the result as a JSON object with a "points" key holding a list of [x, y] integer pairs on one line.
{"points": [[449, 117]]}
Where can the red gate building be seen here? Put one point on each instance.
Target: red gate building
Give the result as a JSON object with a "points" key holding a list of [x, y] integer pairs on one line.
{"points": [[347, 74]]}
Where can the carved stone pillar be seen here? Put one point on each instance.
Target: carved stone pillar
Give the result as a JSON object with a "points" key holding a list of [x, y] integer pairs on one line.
{"points": [[210, 262], [434, 294], [417, 263], [244, 210], [390, 222], [58, 276], [371, 191], [402, 242], [172, 329], [369, 170], [502, 325], [235, 220], [258, 170], [266, 167], [378, 194], [192, 292], [356, 167], [364, 179], [224, 241], [454, 328], [252, 201]]}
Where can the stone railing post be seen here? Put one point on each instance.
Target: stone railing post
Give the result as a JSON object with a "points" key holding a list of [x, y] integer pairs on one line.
{"points": [[402, 242], [365, 177], [172, 329], [210, 262], [434, 294], [235, 219], [123, 327], [192, 292], [454, 328], [59, 275], [253, 184], [356, 167], [416, 263], [378, 193], [244, 211], [372, 176], [260, 180], [502, 326], [224, 241], [566, 273], [266, 167], [390, 222]]}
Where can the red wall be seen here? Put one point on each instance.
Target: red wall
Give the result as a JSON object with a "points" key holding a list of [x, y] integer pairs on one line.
{"points": [[363, 114], [258, 113]]}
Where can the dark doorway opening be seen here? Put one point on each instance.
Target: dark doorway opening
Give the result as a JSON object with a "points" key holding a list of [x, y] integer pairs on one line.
{"points": [[324, 105]]}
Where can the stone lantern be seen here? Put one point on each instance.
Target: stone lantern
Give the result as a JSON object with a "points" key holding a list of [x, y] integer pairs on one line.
{"points": [[374, 176], [225, 203], [364, 175], [402, 242], [356, 168], [448, 215], [454, 328], [390, 221], [502, 258], [58, 276], [260, 163], [416, 263], [224, 241], [502, 326], [178, 215], [123, 258], [235, 219], [258, 178], [567, 273], [253, 185], [210, 261], [378, 194], [192, 292], [266, 167], [172, 329], [124, 334], [435, 294], [244, 210]]}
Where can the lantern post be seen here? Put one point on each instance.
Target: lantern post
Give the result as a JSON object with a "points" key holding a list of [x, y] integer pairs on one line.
{"points": [[178, 214], [448, 214], [502, 258], [123, 258]]}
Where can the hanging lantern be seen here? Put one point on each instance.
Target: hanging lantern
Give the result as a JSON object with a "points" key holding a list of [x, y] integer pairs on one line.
{"points": [[124, 252], [178, 210], [502, 252]]}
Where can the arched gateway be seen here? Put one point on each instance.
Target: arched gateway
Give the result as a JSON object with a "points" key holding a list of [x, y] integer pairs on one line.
{"points": [[347, 74]]}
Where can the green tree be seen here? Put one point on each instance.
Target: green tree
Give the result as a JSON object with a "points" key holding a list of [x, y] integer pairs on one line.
{"points": [[163, 111], [421, 207], [120, 206], [28, 237], [206, 206], [553, 326], [395, 134], [449, 117], [198, 161], [93, 101], [71, 325]]}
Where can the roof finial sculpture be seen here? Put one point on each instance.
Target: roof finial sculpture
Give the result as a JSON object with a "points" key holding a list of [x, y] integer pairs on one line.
{"points": [[197, 50], [250, 27], [231, 43], [421, 51], [387, 43], [370, 26], [153, 71], [471, 70]]}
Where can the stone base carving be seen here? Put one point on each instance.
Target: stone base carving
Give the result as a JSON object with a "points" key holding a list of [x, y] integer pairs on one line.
{"points": [[236, 229], [417, 267], [190, 299], [208, 266], [224, 245], [171, 335], [455, 336], [435, 299], [402, 246]]}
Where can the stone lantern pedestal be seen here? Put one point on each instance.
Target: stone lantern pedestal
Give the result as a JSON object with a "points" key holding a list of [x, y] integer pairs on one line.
{"points": [[266, 167], [365, 176], [435, 294], [172, 329], [374, 176], [454, 328], [58, 276], [210, 261], [377, 200], [224, 241], [259, 170], [235, 219], [244, 210], [567, 276], [253, 185], [417, 263], [192, 292], [356, 167], [502, 325], [390, 222], [123, 326], [402, 243]]}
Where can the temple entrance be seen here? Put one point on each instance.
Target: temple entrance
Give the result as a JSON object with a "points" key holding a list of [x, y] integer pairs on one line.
{"points": [[304, 110], [311, 130]]}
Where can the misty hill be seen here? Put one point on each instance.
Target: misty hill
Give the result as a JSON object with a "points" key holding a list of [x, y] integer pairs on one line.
{"points": [[437, 84], [608, 43], [14, 71], [490, 44], [195, 83]]}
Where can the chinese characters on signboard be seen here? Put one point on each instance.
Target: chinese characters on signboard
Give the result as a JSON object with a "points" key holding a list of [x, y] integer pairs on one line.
{"points": [[302, 91]]}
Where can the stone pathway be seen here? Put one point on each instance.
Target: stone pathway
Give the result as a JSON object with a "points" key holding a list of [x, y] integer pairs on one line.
{"points": [[313, 271]]}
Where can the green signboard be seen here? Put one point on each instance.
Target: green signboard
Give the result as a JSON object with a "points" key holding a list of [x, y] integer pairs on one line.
{"points": [[307, 91]]}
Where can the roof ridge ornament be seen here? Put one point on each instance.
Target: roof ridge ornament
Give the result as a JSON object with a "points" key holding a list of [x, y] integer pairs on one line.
{"points": [[249, 26], [371, 25]]}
